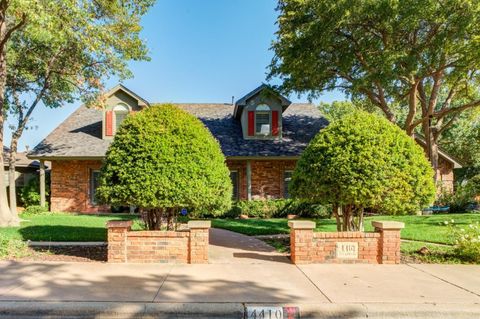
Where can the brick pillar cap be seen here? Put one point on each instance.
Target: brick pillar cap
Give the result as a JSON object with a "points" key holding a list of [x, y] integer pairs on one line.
{"points": [[301, 224], [388, 225], [199, 224], [119, 224]]}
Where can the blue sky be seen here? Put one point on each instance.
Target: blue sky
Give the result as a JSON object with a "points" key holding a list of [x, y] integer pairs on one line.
{"points": [[201, 51]]}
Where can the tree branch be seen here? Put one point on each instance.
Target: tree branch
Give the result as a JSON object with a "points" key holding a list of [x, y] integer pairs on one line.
{"points": [[9, 33]]}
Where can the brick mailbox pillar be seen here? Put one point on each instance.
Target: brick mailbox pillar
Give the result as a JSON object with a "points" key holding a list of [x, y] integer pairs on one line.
{"points": [[117, 240], [389, 244], [381, 246], [198, 241], [301, 241]]}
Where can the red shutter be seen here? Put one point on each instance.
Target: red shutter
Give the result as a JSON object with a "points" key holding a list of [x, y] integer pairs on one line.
{"points": [[274, 123], [109, 123], [251, 123]]}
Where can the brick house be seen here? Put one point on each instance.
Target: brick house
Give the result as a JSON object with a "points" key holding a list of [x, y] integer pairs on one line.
{"points": [[262, 136]]}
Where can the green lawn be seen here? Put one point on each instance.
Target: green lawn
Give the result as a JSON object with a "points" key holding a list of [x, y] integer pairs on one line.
{"points": [[69, 227], [421, 228], [63, 227]]}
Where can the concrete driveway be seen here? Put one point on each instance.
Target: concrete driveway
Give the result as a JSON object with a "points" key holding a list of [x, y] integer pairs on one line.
{"points": [[227, 247]]}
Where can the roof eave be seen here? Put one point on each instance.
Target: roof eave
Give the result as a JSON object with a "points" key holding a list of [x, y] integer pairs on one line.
{"points": [[141, 101], [61, 158]]}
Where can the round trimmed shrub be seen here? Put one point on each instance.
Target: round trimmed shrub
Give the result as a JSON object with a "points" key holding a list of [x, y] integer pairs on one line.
{"points": [[161, 160], [364, 162]]}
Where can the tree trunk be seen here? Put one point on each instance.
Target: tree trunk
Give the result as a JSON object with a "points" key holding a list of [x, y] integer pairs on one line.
{"points": [[12, 192], [153, 218], [434, 159], [170, 218], [6, 218], [347, 217], [431, 141], [360, 224], [11, 180], [335, 209]]}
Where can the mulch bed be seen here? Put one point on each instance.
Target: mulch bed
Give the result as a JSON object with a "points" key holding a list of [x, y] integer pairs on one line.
{"points": [[66, 254]]}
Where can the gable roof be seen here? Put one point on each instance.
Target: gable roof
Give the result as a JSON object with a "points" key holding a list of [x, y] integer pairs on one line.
{"points": [[456, 163], [141, 101], [242, 102], [80, 135]]}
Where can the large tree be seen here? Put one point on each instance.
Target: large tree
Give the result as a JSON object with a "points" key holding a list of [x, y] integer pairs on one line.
{"points": [[164, 159], [462, 140], [57, 51], [362, 161], [423, 56]]}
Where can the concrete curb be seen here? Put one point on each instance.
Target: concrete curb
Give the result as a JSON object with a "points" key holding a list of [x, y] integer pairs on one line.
{"points": [[26, 309], [21, 309]]}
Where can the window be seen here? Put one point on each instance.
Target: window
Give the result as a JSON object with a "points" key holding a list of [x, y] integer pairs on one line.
{"points": [[234, 178], [94, 179], [287, 177], [263, 120], [121, 112]]}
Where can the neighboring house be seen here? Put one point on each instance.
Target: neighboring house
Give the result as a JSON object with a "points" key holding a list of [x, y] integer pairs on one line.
{"points": [[262, 136], [446, 165], [25, 168]]}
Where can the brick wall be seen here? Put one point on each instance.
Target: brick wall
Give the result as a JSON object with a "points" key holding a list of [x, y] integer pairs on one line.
{"points": [[70, 186], [241, 167], [70, 182], [267, 177], [445, 174], [180, 247], [325, 246], [379, 247]]}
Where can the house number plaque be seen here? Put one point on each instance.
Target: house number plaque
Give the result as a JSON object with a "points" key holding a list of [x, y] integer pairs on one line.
{"points": [[346, 250]]}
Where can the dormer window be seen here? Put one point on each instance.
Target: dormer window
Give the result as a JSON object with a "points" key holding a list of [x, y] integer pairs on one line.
{"points": [[121, 112], [119, 102], [263, 120], [260, 113]]}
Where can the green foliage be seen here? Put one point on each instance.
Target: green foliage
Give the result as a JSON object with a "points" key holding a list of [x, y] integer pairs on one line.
{"points": [[337, 109], [164, 157], [364, 161], [12, 247], [59, 51], [30, 193], [65, 49], [35, 210], [467, 241], [416, 61], [465, 196], [278, 208], [367, 47], [462, 140]]}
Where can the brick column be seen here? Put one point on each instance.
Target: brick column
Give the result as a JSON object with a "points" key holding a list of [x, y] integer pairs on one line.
{"points": [[198, 241], [389, 242], [117, 240], [301, 241]]}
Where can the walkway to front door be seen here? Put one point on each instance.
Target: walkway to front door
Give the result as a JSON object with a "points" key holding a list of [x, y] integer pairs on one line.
{"points": [[228, 247]]}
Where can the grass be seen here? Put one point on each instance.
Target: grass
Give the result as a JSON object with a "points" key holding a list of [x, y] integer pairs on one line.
{"points": [[419, 228], [436, 254], [63, 227], [71, 227]]}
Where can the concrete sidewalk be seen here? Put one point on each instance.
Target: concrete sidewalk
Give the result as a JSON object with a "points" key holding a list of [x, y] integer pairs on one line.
{"points": [[85, 290]]}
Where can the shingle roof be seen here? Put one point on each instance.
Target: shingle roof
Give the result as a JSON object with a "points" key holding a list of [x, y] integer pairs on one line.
{"points": [[21, 159], [80, 135]]}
